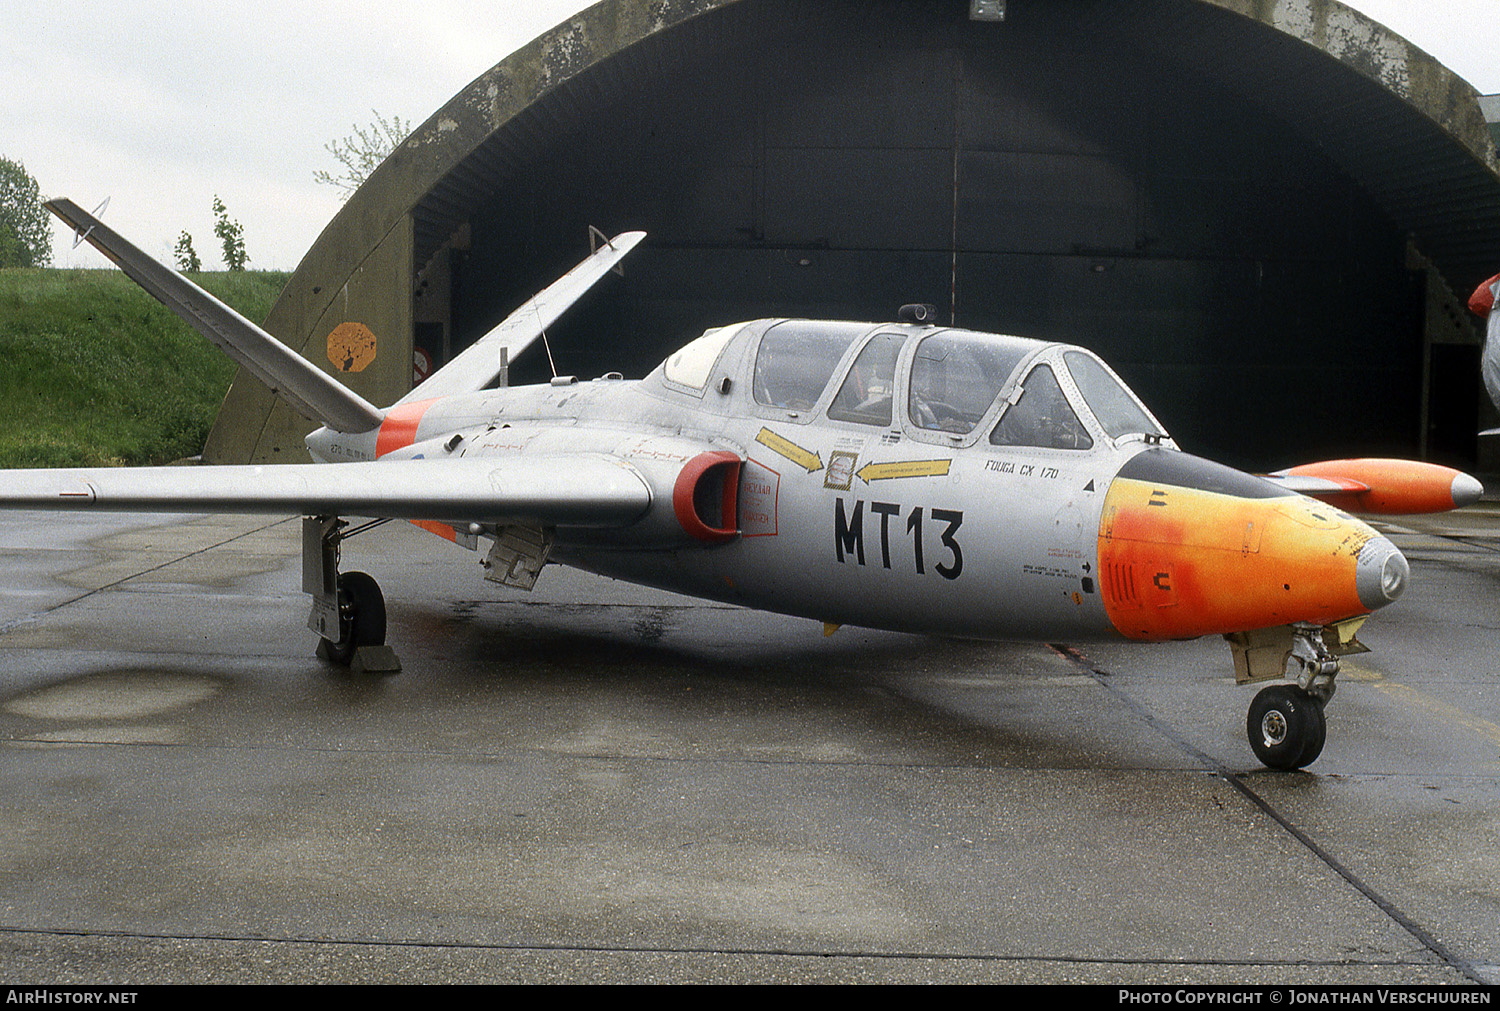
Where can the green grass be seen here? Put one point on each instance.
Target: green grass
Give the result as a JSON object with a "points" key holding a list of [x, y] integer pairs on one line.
{"points": [[95, 372]]}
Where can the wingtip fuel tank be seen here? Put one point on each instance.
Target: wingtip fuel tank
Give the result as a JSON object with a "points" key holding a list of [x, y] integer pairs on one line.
{"points": [[1383, 487]]}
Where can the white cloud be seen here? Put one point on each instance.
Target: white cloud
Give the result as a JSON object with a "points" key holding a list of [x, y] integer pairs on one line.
{"points": [[162, 105]]}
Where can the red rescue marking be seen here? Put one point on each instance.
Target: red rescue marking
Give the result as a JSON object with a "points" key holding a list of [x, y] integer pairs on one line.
{"points": [[399, 429], [760, 489], [443, 530]]}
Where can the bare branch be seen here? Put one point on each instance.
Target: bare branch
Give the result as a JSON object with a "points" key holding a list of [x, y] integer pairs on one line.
{"points": [[361, 151]]}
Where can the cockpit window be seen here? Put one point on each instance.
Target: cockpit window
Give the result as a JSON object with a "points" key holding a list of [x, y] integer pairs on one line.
{"points": [[1042, 417], [797, 358], [692, 363], [870, 386], [956, 376], [1114, 407]]}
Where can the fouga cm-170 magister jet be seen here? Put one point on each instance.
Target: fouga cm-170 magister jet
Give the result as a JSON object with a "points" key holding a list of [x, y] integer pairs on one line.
{"points": [[904, 476]]}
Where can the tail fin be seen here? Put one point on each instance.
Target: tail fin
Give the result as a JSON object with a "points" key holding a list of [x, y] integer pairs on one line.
{"points": [[479, 364], [314, 393]]}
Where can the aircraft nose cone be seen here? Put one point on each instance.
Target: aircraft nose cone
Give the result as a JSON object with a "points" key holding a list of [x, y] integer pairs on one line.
{"points": [[1466, 491], [1380, 573]]}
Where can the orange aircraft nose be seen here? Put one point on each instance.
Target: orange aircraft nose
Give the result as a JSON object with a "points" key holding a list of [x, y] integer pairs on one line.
{"points": [[1188, 547]]}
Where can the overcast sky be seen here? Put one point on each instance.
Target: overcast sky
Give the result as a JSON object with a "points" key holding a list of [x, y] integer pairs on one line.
{"points": [[161, 105]]}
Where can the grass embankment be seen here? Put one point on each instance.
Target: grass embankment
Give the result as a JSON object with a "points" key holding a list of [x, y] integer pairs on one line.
{"points": [[93, 371]]}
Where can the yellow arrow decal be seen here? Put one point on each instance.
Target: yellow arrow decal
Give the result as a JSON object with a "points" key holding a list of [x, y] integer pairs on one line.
{"points": [[804, 458], [903, 468]]}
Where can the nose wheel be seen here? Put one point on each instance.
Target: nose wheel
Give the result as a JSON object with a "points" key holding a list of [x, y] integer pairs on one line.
{"points": [[1285, 724], [1286, 727]]}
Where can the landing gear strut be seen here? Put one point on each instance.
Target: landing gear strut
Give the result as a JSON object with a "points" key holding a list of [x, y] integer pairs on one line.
{"points": [[348, 610], [1286, 725]]}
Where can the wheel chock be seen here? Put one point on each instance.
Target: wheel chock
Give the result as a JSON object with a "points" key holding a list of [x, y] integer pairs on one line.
{"points": [[374, 660]]}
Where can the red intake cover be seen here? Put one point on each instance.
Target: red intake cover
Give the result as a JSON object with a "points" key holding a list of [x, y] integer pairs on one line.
{"points": [[708, 512], [1483, 299]]}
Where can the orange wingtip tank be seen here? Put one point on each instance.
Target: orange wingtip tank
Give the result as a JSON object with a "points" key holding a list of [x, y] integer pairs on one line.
{"points": [[1384, 487]]}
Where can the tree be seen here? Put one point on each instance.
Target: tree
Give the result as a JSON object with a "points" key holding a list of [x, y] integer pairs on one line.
{"points": [[187, 256], [13, 252], [25, 234], [231, 235], [362, 150]]}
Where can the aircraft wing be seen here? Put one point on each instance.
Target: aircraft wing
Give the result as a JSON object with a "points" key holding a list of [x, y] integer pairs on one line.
{"points": [[591, 490], [478, 365], [1304, 484], [314, 393]]}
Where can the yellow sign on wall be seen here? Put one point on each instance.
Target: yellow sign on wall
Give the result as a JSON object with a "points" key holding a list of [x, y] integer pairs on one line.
{"points": [[351, 347]]}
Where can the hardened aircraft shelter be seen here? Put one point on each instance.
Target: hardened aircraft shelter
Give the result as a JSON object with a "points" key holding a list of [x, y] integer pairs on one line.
{"points": [[1266, 214]]}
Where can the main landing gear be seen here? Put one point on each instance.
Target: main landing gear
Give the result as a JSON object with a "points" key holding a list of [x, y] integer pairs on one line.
{"points": [[348, 609], [1286, 725]]}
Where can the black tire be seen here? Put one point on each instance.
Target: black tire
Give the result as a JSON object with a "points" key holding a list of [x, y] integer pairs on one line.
{"points": [[1318, 734], [1286, 727], [361, 616]]}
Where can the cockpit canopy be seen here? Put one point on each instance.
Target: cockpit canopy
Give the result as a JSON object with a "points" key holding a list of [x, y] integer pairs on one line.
{"points": [[942, 384]]}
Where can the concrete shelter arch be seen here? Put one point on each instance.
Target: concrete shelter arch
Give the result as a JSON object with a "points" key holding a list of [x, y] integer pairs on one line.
{"points": [[1257, 210]]}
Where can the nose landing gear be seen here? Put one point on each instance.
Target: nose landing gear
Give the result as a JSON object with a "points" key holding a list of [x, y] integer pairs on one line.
{"points": [[1286, 725]]}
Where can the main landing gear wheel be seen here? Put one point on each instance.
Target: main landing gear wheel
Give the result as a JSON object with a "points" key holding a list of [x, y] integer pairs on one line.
{"points": [[1286, 727], [361, 616]]}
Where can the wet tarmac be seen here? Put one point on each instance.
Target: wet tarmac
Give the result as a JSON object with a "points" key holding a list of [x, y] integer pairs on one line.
{"points": [[599, 783]]}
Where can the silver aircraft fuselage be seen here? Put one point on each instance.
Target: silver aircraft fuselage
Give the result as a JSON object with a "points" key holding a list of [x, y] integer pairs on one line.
{"points": [[907, 516], [894, 475]]}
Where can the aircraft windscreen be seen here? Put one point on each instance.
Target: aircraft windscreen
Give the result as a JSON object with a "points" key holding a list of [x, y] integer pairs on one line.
{"points": [[956, 376], [1113, 405], [796, 359], [1042, 417]]}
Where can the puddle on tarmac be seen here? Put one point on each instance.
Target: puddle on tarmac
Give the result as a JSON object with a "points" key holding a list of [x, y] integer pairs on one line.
{"points": [[207, 551], [118, 695], [218, 569], [133, 734]]}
